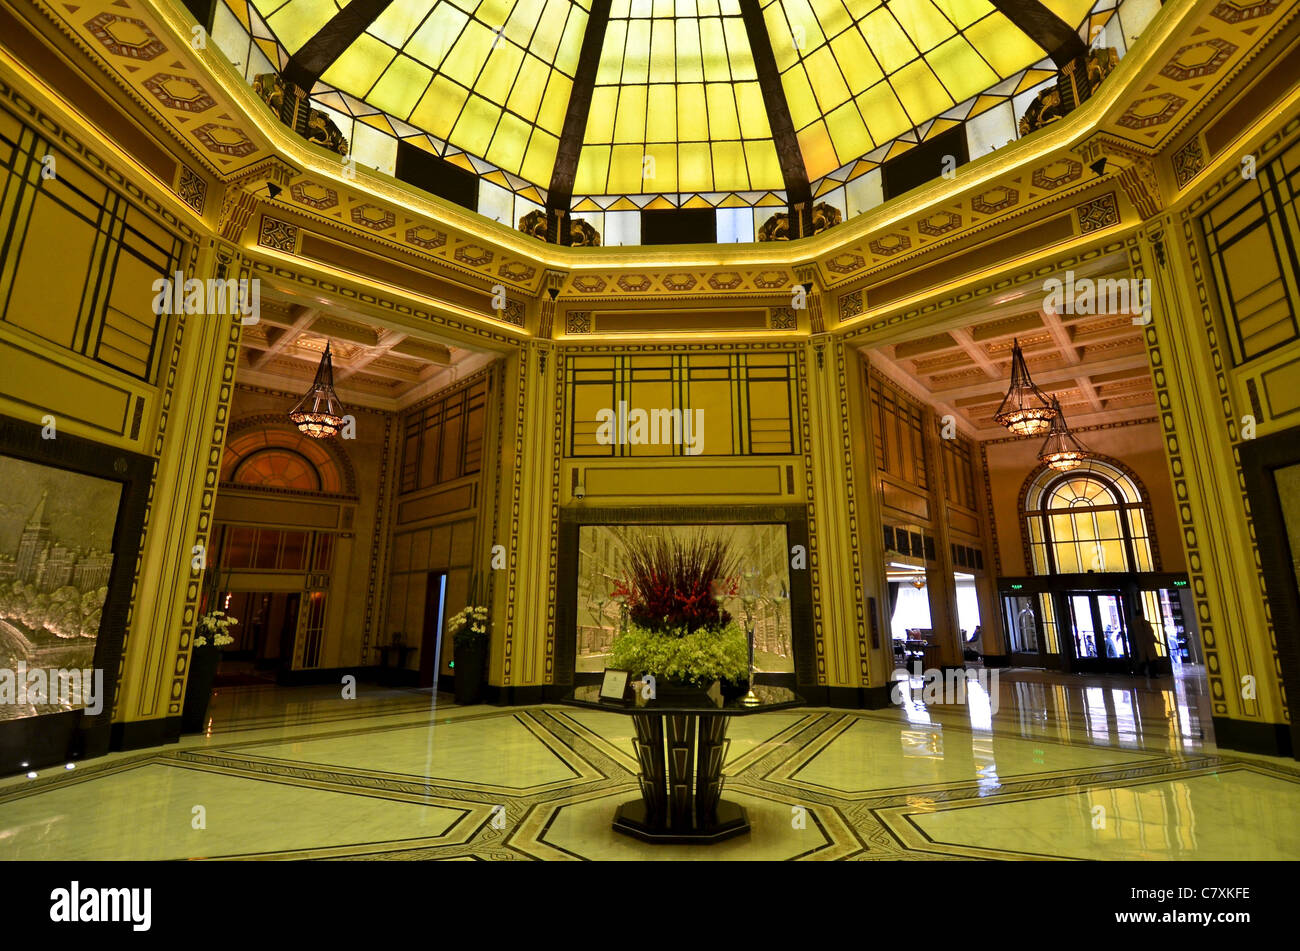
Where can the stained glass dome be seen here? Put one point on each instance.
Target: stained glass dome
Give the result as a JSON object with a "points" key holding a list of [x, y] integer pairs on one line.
{"points": [[625, 105]]}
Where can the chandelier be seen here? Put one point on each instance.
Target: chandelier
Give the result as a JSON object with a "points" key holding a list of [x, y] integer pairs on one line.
{"points": [[319, 414], [1024, 410], [1061, 449], [918, 582]]}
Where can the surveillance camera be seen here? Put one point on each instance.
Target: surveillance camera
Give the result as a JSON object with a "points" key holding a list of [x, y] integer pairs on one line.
{"points": [[579, 491]]}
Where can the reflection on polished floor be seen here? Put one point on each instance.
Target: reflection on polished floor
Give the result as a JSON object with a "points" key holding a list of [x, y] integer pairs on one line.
{"points": [[1067, 767]]}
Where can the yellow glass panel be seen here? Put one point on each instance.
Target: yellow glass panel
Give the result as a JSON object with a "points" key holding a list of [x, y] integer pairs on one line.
{"points": [[690, 62], [887, 40], [471, 51], [636, 55], [832, 16], [435, 38], [739, 53], [396, 24], [781, 37], [885, 116], [1112, 554], [600, 120], [922, 22], [525, 19], [555, 103], [526, 97], [625, 167], [661, 114], [500, 72], [799, 97], [1002, 44], [611, 53], [401, 87], [685, 8], [1067, 559], [507, 149], [753, 112], [828, 84], [494, 12], [566, 59], [764, 167], [593, 169], [848, 132], [1108, 525], [729, 173], [546, 41], [360, 65], [663, 52], [298, 21], [694, 169], [964, 12], [723, 122], [855, 61], [661, 176], [803, 24], [818, 153], [473, 130], [920, 91], [692, 117], [1072, 12], [714, 50], [629, 123], [439, 107], [961, 70], [539, 159]]}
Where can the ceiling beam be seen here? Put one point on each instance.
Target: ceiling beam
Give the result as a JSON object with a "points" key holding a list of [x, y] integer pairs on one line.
{"points": [[1061, 375], [315, 56], [1045, 28], [559, 196], [788, 153], [304, 316]]}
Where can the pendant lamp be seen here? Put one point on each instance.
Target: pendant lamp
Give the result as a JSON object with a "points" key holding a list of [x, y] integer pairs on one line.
{"points": [[1024, 410], [319, 414], [1062, 449]]}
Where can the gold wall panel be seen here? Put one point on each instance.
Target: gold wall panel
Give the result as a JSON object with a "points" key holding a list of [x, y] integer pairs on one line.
{"points": [[34, 381], [696, 481], [445, 502], [233, 507], [677, 321]]}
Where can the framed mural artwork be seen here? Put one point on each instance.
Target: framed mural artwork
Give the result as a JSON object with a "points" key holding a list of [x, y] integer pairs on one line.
{"points": [[71, 516]]}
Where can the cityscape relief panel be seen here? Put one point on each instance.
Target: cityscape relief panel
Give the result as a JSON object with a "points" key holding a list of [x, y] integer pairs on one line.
{"points": [[56, 539], [760, 589]]}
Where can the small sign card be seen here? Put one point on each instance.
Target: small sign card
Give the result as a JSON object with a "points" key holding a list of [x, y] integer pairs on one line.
{"points": [[614, 687]]}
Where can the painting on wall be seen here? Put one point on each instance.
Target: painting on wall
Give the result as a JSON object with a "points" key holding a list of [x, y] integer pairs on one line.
{"points": [[56, 558], [71, 517], [759, 592]]}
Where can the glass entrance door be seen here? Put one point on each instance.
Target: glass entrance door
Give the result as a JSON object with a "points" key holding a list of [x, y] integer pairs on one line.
{"points": [[1099, 631]]}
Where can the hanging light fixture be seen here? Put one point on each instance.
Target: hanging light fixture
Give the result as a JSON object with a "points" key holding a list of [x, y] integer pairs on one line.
{"points": [[918, 582], [1024, 410], [319, 414], [1062, 449]]}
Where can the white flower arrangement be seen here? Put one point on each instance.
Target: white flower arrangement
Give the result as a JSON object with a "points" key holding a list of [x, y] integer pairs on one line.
{"points": [[471, 622], [215, 625]]}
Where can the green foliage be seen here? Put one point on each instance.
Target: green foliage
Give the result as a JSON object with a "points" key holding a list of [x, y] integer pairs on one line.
{"points": [[691, 657]]}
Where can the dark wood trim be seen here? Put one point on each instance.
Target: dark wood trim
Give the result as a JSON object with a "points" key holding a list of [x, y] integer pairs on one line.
{"points": [[141, 734], [797, 190], [1045, 28], [1260, 458], [559, 196], [319, 53]]}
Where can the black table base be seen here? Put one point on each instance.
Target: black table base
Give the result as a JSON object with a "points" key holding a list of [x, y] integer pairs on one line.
{"points": [[681, 756]]}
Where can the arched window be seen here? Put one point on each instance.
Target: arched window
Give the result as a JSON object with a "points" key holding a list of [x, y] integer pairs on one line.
{"points": [[1092, 518], [270, 453], [277, 469]]}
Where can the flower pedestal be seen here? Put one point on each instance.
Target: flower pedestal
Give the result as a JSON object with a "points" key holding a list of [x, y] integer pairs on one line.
{"points": [[471, 664], [198, 687], [681, 749]]}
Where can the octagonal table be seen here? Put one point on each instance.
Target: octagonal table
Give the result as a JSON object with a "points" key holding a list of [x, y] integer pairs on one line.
{"points": [[680, 744]]}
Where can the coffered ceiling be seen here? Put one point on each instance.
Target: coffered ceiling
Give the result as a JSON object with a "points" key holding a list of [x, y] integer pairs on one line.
{"points": [[1096, 365], [373, 366]]}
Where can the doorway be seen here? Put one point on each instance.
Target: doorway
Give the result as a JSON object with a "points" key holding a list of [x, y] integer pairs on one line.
{"points": [[1099, 632], [264, 636]]}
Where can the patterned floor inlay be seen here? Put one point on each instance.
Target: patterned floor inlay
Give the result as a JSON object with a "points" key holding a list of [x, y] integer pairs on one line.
{"points": [[284, 773]]}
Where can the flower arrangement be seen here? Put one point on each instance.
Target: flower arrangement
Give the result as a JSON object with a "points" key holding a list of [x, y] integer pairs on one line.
{"points": [[469, 626], [678, 630], [215, 627]]}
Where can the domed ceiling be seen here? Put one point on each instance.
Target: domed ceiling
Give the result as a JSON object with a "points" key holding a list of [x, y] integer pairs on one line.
{"points": [[729, 99]]}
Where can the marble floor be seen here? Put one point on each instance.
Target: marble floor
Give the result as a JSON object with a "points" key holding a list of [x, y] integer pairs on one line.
{"points": [[1051, 766]]}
